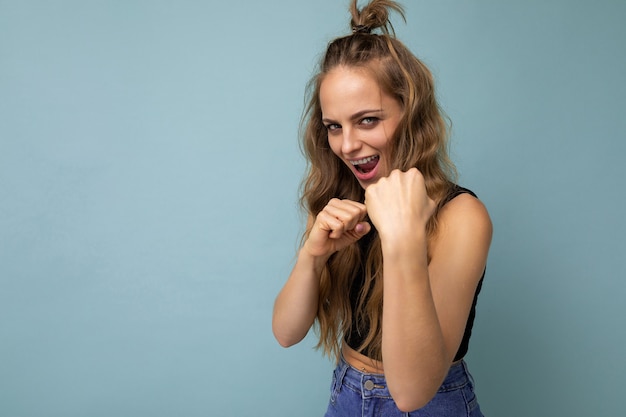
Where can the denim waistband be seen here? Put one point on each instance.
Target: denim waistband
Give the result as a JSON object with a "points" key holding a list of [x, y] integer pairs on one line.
{"points": [[375, 385]]}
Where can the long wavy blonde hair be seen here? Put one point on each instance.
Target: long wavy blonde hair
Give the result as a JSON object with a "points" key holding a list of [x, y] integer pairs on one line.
{"points": [[420, 141]]}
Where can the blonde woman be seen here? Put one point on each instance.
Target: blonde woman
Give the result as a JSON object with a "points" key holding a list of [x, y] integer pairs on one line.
{"points": [[394, 252]]}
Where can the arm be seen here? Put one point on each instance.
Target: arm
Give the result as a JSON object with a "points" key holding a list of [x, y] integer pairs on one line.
{"points": [[426, 304], [295, 308]]}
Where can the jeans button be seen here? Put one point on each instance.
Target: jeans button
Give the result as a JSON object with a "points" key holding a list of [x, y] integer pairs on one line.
{"points": [[369, 385]]}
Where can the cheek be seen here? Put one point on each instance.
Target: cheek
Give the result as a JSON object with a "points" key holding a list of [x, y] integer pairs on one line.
{"points": [[381, 140], [383, 144]]}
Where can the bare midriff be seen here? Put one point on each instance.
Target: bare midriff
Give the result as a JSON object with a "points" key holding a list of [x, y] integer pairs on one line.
{"points": [[361, 362]]}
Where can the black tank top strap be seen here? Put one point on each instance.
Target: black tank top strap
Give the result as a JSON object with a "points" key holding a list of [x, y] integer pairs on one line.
{"points": [[456, 191]]}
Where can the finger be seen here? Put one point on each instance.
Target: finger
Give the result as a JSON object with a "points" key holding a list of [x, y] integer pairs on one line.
{"points": [[329, 222], [347, 204], [362, 228], [356, 209], [347, 214]]}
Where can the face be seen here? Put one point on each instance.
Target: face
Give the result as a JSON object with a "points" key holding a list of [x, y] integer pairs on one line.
{"points": [[360, 119]]}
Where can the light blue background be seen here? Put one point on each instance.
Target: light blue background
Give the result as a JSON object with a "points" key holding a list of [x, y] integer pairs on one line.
{"points": [[148, 200]]}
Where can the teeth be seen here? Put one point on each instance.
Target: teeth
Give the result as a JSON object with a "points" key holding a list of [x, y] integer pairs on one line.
{"points": [[364, 160]]}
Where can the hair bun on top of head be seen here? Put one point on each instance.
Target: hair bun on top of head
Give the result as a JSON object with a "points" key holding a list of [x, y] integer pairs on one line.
{"points": [[373, 16], [361, 29]]}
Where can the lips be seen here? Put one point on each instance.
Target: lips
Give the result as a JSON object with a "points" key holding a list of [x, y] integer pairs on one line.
{"points": [[366, 165]]}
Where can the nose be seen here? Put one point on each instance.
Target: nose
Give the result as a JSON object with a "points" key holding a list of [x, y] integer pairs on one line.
{"points": [[350, 142]]}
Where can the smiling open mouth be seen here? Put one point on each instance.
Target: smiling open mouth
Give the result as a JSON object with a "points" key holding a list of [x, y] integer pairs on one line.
{"points": [[365, 165]]}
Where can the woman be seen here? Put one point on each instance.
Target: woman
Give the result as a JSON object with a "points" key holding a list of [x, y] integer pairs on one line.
{"points": [[394, 252]]}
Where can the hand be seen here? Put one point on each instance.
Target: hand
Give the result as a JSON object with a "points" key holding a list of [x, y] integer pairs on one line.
{"points": [[398, 205], [338, 225]]}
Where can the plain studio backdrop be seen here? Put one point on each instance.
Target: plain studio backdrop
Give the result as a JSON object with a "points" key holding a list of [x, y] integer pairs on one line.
{"points": [[149, 173]]}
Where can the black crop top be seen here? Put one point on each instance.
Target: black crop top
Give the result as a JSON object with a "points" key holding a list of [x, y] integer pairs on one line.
{"points": [[358, 330]]}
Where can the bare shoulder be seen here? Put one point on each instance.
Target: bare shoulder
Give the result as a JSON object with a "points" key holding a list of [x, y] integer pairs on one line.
{"points": [[463, 235], [464, 213]]}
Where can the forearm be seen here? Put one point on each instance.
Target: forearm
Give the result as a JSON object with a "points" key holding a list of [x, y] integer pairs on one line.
{"points": [[413, 347], [338, 225], [295, 307]]}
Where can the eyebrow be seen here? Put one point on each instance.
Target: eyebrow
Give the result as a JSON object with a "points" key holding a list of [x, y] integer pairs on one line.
{"points": [[356, 115]]}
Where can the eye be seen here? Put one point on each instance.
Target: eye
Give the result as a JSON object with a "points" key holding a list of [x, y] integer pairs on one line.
{"points": [[369, 121], [331, 127]]}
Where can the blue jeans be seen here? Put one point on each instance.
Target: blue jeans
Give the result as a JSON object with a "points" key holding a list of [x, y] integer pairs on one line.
{"points": [[357, 394]]}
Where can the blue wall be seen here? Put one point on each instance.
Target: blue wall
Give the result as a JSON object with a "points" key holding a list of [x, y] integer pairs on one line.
{"points": [[148, 200]]}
